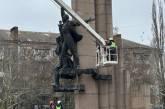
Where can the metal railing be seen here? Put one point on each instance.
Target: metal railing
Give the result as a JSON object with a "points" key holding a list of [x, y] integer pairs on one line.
{"points": [[106, 55]]}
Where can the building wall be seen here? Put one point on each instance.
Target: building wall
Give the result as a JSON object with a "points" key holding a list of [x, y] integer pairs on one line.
{"points": [[28, 69], [28, 63], [138, 76]]}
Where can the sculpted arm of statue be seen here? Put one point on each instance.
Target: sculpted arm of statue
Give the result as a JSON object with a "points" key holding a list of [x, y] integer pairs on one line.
{"points": [[62, 14], [60, 26]]}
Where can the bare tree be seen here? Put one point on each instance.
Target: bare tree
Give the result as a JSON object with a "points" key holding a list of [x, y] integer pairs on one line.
{"points": [[158, 29]]}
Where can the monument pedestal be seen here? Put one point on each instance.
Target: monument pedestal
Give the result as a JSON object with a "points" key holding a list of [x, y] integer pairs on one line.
{"points": [[97, 93], [69, 88]]}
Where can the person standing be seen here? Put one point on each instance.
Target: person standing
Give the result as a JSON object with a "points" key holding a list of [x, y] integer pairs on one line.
{"points": [[111, 43], [51, 105], [59, 105]]}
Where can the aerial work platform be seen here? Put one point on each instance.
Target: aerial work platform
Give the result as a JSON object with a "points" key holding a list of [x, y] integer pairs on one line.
{"points": [[104, 56]]}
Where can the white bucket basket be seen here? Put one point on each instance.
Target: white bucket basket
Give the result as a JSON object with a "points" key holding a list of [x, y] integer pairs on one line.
{"points": [[106, 55]]}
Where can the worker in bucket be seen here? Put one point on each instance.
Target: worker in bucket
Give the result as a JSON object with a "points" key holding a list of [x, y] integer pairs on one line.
{"points": [[111, 43]]}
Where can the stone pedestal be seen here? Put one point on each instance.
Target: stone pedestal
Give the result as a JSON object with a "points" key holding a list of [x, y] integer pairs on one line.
{"points": [[87, 53], [98, 94], [106, 89]]}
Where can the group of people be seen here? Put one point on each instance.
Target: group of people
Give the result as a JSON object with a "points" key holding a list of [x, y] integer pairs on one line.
{"points": [[55, 104]]}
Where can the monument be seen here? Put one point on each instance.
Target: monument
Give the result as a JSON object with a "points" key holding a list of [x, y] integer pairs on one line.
{"points": [[96, 85]]}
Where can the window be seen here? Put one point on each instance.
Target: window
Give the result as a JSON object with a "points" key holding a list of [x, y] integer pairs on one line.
{"points": [[1, 53], [42, 54], [27, 52], [141, 58]]}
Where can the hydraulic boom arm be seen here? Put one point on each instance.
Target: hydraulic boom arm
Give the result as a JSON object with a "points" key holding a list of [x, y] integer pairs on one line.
{"points": [[82, 22]]}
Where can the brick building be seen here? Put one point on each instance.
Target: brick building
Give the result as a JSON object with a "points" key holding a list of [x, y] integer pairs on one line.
{"points": [[27, 60]]}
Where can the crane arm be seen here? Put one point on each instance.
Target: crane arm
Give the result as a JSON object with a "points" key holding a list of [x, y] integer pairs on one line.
{"points": [[82, 22]]}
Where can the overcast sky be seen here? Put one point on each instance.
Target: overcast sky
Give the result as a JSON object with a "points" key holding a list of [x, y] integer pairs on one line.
{"points": [[132, 17]]}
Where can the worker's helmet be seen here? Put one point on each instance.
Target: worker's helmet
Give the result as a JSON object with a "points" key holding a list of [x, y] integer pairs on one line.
{"points": [[111, 38], [58, 102]]}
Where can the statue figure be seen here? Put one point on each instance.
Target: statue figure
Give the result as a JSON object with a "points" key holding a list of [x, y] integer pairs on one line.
{"points": [[64, 61], [61, 66], [71, 37], [67, 47], [69, 33]]}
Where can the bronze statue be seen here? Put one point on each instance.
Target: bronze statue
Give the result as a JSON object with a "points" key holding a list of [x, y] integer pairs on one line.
{"points": [[68, 32], [65, 60], [67, 47]]}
